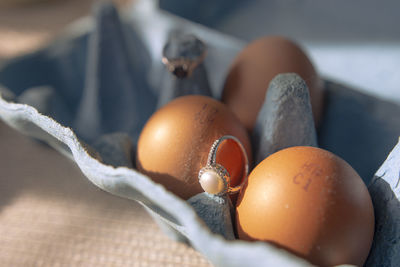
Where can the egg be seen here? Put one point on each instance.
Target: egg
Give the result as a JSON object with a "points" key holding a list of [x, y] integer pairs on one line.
{"points": [[253, 69], [310, 202], [174, 144]]}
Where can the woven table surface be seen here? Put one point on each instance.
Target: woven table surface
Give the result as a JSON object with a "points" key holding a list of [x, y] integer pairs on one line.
{"points": [[51, 215]]}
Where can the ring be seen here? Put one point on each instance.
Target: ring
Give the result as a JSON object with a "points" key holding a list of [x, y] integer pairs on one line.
{"points": [[183, 53], [214, 178]]}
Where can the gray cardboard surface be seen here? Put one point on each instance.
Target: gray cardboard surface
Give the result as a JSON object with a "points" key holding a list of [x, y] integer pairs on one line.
{"points": [[285, 118], [359, 128]]}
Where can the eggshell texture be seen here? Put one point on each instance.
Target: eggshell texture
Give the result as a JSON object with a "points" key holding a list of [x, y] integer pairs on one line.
{"points": [[310, 202], [253, 69], [175, 143]]}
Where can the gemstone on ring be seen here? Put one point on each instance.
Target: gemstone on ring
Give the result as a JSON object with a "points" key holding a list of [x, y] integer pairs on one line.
{"points": [[214, 179], [212, 182]]}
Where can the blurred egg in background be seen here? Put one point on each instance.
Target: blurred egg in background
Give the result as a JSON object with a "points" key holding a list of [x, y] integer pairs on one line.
{"points": [[256, 65]]}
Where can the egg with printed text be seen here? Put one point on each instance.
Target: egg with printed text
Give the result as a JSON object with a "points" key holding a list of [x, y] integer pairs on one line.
{"points": [[175, 142], [309, 202]]}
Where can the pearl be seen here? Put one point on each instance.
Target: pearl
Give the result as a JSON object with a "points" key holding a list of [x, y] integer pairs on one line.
{"points": [[211, 182]]}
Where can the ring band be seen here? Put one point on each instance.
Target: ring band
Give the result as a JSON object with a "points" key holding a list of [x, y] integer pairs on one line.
{"points": [[214, 178]]}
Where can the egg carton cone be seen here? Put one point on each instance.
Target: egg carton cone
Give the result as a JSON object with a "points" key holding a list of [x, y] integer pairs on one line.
{"points": [[89, 93]]}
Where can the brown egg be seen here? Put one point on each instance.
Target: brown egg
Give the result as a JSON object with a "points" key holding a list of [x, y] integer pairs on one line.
{"points": [[254, 68], [175, 143], [310, 202]]}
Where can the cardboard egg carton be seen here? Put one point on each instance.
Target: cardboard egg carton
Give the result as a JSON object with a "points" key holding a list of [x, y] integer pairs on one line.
{"points": [[49, 95]]}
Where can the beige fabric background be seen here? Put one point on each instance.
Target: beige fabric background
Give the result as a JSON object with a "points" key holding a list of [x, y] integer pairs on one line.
{"points": [[50, 214], [26, 25]]}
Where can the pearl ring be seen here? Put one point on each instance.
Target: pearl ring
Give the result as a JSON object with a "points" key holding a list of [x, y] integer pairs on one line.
{"points": [[183, 53], [214, 178]]}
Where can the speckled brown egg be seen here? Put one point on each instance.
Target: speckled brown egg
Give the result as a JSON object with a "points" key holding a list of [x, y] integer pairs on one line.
{"points": [[175, 143], [310, 202], [253, 69]]}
